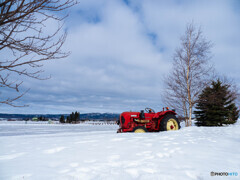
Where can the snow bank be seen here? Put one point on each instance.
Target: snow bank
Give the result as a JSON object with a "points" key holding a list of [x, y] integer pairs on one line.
{"points": [[98, 152]]}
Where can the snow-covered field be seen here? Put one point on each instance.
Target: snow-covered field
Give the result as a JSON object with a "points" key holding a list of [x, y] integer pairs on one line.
{"points": [[83, 151]]}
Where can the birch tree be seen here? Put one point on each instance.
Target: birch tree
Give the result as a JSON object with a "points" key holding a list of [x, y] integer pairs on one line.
{"points": [[190, 72]]}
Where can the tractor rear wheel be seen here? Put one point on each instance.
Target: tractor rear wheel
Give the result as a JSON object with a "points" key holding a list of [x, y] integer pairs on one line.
{"points": [[169, 123], [140, 129]]}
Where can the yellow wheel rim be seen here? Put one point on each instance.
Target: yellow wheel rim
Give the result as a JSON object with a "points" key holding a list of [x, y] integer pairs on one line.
{"points": [[139, 130], [172, 125]]}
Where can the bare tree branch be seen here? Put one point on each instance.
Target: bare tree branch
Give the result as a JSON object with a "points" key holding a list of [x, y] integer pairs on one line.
{"points": [[24, 41]]}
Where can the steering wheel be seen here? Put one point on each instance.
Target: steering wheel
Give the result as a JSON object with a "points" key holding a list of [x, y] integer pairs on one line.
{"points": [[149, 110]]}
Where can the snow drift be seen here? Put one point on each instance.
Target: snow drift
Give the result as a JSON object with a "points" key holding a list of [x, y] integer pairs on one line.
{"points": [[42, 151]]}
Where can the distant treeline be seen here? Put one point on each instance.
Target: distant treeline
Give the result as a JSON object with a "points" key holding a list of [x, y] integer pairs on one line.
{"points": [[72, 118], [86, 116]]}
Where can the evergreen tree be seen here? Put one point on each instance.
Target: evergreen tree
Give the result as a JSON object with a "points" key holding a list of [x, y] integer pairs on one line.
{"points": [[71, 117], [67, 121], [77, 116], [216, 106], [62, 119]]}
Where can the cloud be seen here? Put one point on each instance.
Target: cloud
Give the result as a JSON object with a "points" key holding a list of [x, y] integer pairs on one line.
{"points": [[219, 21], [122, 49]]}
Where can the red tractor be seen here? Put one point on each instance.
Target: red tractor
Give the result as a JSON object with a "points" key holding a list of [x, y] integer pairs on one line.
{"points": [[140, 122]]}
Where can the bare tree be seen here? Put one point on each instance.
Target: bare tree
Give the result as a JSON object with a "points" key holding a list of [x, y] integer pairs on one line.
{"points": [[190, 72], [25, 41]]}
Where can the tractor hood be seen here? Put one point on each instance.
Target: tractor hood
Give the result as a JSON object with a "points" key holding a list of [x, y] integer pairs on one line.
{"points": [[126, 117]]}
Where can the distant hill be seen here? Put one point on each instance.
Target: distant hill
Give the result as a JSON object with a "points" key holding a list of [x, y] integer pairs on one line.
{"points": [[90, 116], [99, 116]]}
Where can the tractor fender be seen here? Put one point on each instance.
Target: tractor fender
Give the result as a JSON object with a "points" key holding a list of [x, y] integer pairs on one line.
{"points": [[163, 113]]}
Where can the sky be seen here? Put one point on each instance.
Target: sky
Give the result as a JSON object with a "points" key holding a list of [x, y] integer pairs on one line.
{"points": [[122, 49]]}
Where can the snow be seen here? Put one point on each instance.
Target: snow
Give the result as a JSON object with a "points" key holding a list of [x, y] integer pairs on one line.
{"points": [[85, 151]]}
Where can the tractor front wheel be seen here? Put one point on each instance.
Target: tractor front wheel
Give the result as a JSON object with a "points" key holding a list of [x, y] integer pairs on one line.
{"points": [[169, 123], [140, 129]]}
